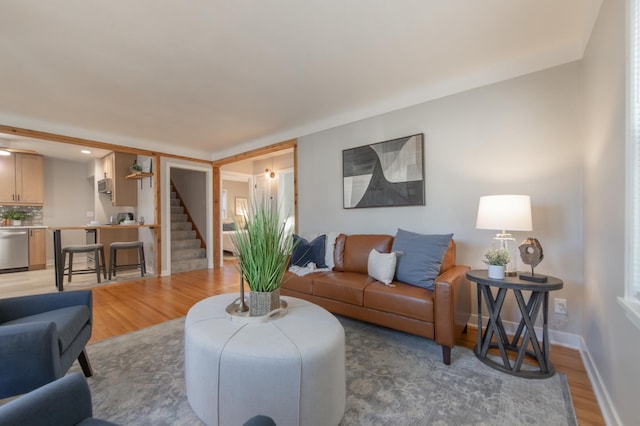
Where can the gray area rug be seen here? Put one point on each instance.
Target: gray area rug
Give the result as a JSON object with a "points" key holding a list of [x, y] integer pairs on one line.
{"points": [[392, 379]]}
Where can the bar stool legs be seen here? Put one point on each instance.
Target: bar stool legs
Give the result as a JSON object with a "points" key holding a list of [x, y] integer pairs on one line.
{"points": [[98, 255], [102, 262], [64, 261], [143, 263], [113, 253]]}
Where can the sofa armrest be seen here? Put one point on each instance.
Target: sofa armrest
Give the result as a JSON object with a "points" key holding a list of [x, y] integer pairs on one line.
{"points": [[452, 304], [23, 306], [29, 357], [66, 401]]}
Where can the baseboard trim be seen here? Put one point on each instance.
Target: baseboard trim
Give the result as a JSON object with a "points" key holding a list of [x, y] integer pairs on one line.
{"points": [[573, 341], [607, 408]]}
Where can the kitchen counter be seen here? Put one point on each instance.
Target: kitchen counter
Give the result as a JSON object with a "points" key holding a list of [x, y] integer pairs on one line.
{"points": [[134, 226], [23, 226]]}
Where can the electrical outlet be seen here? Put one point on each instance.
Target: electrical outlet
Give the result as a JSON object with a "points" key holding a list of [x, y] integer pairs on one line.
{"points": [[561, 306]]}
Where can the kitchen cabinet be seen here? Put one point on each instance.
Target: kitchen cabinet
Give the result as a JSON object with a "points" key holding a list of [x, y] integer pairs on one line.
{"points": [[113, 234], [116, 167], [37, 249], [8, 179], [22, 176]]}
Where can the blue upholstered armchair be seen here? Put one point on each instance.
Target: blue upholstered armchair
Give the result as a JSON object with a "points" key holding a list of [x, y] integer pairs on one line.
{"points": [[64, 402], [40, 338]]}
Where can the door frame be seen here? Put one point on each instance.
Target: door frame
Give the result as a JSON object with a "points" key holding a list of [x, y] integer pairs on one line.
{"points": [[217, 187], [167, 165]]}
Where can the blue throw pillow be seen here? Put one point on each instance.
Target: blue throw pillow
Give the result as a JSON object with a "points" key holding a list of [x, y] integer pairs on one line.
{"points": [[305, 251], [419, 257]]}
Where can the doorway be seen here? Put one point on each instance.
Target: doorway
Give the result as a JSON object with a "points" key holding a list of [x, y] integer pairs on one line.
{"points": [[253, 176], [235, 198], [187, 203]]}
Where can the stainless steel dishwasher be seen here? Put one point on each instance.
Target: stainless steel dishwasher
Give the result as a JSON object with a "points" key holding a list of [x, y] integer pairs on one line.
{"points": [[14, 249]]}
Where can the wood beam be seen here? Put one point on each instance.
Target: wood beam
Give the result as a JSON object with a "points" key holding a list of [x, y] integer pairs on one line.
{"points": [[35, 134], [280, 146], [217, 221]]}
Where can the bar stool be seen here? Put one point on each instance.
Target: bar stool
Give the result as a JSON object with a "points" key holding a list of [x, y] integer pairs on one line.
{"points": [[98, 256], [113, 250]]}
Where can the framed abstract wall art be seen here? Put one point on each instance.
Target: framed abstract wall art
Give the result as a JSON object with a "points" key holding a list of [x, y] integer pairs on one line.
{"points": [[384, 174]]}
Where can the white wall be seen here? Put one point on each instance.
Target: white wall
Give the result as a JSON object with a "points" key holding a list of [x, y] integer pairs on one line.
{"points": [[518, 136], [277, 164], [234, 189], [146, 195], [147, 209], [68, 197], [612, 341]]}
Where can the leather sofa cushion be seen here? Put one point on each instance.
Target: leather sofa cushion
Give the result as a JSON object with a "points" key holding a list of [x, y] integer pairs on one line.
{"points": [[338, 253], [449, 258], [300, 284], [352, 251], [347, 287], [69, 321], [403, 299]]}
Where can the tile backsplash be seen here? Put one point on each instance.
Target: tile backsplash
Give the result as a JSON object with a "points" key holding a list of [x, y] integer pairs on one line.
{"points": [[34, 213]]}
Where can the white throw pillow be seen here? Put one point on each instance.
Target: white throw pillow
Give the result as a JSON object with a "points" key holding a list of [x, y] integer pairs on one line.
{"points": [[382, 266], [329, 246]]}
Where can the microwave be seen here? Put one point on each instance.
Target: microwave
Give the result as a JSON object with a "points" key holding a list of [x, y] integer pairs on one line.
{"points": [[104, 186]]}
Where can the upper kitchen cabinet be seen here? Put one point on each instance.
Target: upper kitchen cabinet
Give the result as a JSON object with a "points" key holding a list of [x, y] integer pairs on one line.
{"points": [[23, 179], [116, 167]]}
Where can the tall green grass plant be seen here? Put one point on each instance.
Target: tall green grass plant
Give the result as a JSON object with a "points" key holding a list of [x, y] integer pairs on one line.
{"points": [[264, 247]]}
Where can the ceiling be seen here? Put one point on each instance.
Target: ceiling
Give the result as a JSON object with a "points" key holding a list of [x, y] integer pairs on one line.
{"points": [[213, 78], [62, 151]]}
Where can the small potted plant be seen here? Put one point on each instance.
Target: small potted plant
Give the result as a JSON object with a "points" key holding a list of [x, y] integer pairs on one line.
{"points": [[16, 217], [496, 259], [135, 167], [264, 247]]}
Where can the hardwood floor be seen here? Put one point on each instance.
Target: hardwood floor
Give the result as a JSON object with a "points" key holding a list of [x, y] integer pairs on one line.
{"points": [[125, 307], [120, 308], [43, 281]]}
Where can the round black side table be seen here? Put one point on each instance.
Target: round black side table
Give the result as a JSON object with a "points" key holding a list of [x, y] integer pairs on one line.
{"points": [[524, 342]]}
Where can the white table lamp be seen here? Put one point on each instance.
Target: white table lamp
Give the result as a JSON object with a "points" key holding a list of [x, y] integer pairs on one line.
{"points": [[505, 213]]}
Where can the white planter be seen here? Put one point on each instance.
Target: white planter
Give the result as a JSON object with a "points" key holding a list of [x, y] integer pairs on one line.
{"points": [[16, 222], [496, 272]]}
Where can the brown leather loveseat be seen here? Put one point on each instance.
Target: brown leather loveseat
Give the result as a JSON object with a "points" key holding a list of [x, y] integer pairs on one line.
{"points": [[439, 314]]}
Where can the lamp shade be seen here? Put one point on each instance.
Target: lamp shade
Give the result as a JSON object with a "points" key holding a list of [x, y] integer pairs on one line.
{"points": [[504, 212]]}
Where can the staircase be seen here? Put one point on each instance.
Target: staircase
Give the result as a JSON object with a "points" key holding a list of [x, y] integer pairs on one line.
{"points": [[186, 251]]}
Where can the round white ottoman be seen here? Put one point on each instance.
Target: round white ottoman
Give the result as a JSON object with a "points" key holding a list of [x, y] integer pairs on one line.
{"points": [[290, 368]]}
